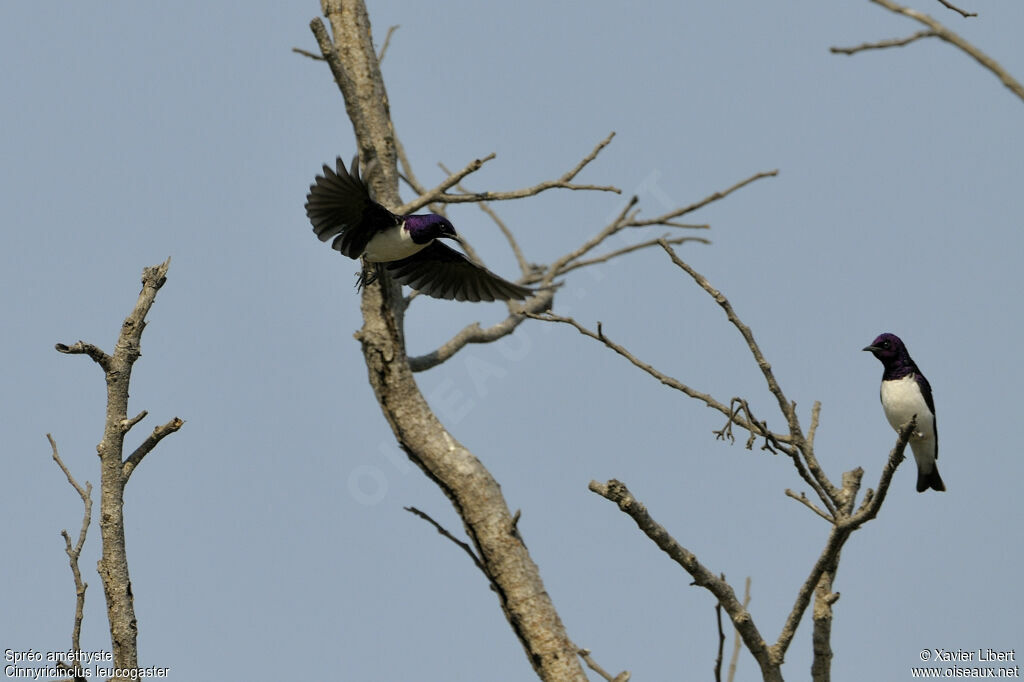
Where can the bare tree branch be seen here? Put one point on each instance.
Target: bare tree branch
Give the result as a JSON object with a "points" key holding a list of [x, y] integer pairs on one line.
{"points": [[812, 430], [630, 249], [839, 502], [127, 424], [616, 225], [524, 266], [159, 433], [734, 659], [802, 498], [820, 483], [721, 639], [624, 676], [821, 617], [443, 531], [83, 348], [113, 564], [711, 198], [474, 493], [75, 551], [883, 44], [407, 173], [617, 492], [387, 42], [305, 53], [788, 410], [845, 524], [657, 374], [626, 218], [873, 499], [474, 333], [439, 193], [956, 9], [940, 31]]}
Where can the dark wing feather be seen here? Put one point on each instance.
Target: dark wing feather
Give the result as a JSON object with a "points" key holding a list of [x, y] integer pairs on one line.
{"points": [[339, 207], [926, 391], [442, 272]]}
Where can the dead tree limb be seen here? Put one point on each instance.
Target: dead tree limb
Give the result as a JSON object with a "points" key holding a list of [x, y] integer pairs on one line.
{"points": [[115, 470]]}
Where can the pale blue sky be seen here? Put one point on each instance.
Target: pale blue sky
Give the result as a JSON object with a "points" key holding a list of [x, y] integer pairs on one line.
{"points": [[260, 548]]}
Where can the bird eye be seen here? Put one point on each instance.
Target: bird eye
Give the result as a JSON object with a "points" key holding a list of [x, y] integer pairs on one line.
{"points": [[885, 344]]}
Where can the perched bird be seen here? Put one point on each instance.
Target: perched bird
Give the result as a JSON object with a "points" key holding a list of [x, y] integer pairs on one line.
{"points": [[906, 393], [407, 246]]}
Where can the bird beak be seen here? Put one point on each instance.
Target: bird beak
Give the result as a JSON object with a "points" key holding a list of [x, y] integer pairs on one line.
{"points": [[871, 348]]}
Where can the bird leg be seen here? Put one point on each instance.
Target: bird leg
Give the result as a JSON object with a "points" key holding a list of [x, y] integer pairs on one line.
{"points": [[368, 275]]}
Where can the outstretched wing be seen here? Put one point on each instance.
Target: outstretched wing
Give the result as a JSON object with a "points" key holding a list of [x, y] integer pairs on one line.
{"points": [[339, 207], [442, 272]]}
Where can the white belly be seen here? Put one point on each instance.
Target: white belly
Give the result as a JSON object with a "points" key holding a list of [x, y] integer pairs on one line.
{"points": [[902, 399], [392, 244]]}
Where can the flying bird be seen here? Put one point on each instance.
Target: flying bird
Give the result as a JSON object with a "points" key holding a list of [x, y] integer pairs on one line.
{"points": [[408, 247], [906, 393]]}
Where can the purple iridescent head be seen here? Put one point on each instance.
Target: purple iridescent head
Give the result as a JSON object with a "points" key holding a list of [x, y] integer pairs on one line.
{"points": [[424, 228], [893, 355], [886, 347]]}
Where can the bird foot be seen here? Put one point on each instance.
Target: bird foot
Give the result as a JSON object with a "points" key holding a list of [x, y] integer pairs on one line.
{"points": [[367, 276]]}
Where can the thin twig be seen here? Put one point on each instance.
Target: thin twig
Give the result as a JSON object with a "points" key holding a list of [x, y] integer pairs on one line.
{"points": [[627, 218], [711, 198], [736, 407], [810, 505], [306, 53], [524, 266], [721, 640], [671, 382], [443, 531], [953, 7], [617, 224], [734, 659], [75, 551], [624, 676], [387, 42], [813, 428], [439, 193], [407, 173], [883, 44], [629, 249]]}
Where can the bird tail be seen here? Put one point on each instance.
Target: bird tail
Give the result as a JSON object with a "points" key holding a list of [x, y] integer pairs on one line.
{"points": [[930, 480]]}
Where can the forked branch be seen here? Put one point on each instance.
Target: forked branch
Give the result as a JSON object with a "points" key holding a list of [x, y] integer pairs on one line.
{"points": [[440, 193], [938, 30]]}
